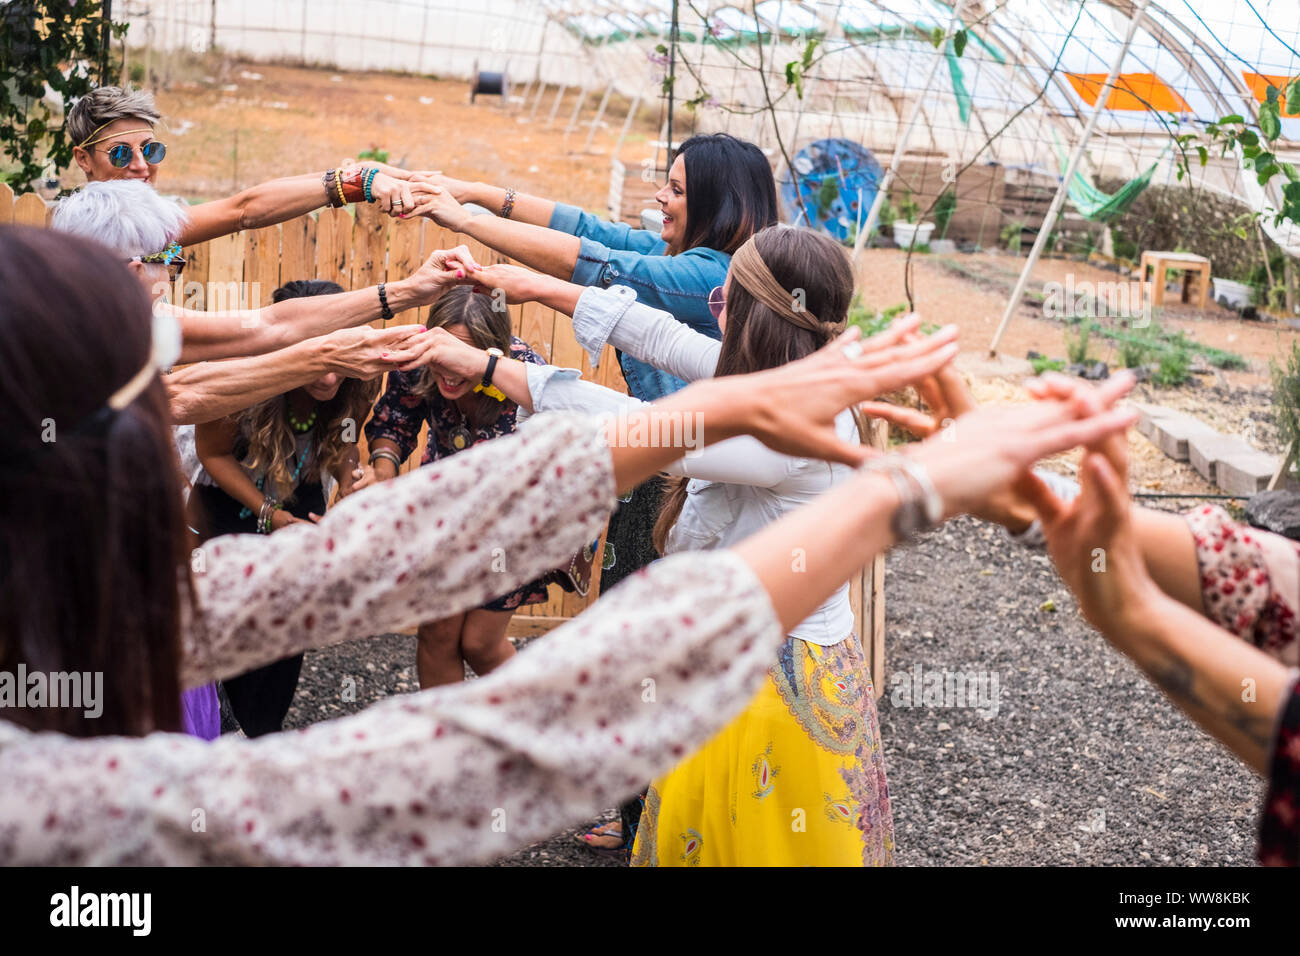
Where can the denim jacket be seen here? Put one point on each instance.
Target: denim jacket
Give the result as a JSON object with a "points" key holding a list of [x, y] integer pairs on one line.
{"points": [[613, 253]]}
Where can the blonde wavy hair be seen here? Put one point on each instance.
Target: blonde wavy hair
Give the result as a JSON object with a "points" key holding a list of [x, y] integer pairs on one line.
{"points": [[265, 427]]}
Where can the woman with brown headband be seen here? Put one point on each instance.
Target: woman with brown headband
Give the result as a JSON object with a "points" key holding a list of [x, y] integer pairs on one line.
{"points": [[810, 739]]}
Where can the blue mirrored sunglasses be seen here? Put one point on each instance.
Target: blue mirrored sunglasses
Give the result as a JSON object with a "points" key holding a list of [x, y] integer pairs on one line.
{"points": [[120, 155]]}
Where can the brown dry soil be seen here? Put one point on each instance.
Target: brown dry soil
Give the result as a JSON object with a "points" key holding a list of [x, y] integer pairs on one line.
{"points": [[233, 124], [1082, 729]]}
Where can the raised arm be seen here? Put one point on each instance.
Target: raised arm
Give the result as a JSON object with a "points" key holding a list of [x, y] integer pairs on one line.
{"points": [[210, 390], [278, 200], [218, 335]]}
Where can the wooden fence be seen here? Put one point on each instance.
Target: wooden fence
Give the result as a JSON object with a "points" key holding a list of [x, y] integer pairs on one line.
{"points": [[362, 249]]}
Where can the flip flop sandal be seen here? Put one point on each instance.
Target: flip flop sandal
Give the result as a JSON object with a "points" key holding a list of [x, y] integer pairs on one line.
{"points": [[581, 838]]}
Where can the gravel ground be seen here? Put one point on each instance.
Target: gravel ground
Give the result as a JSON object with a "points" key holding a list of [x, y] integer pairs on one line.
{"points": [[1080, 761]]}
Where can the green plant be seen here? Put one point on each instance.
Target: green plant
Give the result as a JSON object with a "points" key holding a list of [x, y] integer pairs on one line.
{"points": [[1286, 397], [1010, 235], [1233, 132], [888, 214], [944, 207], [909, 208], [1124, 247], [1076, 347], [1174, 368], [137, 73], [39, 39], [1134, 350], [1044, 364], [375, 153]]}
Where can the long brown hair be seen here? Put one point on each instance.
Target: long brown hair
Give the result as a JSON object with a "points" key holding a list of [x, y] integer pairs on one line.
{"points": [[757, 338], [265, 426], [94, 552], [488, 328]]}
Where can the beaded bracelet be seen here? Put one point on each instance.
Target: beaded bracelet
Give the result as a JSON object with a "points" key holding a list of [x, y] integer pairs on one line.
{"points": [[508, 206], [370, 178], [330, 194], [384, 311], [338, 184]]}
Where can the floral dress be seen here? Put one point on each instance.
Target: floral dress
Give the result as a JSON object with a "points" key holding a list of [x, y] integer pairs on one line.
{"points": [[457, 775], [1250, 586], [399, 415]]}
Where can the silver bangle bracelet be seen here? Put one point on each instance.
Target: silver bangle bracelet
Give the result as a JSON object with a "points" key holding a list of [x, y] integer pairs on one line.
{"points": [[387, 454]]}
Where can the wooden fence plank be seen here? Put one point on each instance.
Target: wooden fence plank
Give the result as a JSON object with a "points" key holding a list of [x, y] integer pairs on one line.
{"points": [[369, 248], [334, 246], [537, 328], [261, 265], [403, 258], [298, 249], [29, 210], [6, 205], [225, 273]]}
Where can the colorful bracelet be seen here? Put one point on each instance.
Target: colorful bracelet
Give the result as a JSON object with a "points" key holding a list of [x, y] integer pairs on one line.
{"points": [[269, 507], [370, 178], [338, 185], [350, 184], [331, 195], [508, 206]]}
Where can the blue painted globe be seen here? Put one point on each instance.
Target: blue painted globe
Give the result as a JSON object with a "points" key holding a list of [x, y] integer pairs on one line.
{"points": [[837, 181]]}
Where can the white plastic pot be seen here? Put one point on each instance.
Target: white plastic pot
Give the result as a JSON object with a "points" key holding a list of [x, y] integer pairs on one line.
{"points": [[1231, 295], [905, 231]]}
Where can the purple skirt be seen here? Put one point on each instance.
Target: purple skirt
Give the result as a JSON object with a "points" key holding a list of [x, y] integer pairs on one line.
{"points": [[201, 712]]}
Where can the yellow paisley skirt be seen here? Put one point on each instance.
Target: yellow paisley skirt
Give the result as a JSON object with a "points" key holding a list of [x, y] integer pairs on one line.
{"points": [[798, 779]]}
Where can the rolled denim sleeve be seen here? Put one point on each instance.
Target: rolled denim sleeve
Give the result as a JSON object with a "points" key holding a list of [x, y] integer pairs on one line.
{"points": [[612, 235]]}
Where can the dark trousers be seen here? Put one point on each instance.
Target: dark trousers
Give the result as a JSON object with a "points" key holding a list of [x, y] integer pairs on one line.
{"points": [[259, 699]]}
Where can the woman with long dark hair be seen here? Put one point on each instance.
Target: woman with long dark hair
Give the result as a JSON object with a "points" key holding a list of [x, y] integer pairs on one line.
{"points": [[98, 576], [719, 192], [270, 466]]}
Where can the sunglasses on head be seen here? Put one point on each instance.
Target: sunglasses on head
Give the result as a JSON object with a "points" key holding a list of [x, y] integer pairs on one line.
{"points": [[120, 155], [717, 301], [171, 257]]}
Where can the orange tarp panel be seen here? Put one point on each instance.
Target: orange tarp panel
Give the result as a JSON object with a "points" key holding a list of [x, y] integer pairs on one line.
{"points": [[1132, 91], [1259, 84]]}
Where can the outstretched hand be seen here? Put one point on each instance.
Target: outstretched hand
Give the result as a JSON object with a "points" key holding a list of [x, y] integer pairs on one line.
{"points": [[437, 203], [799, 402], [1095, 547], [991, 449]]}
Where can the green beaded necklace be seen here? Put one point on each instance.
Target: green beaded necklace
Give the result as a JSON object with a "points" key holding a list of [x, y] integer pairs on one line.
{"points": [[304, 426]]}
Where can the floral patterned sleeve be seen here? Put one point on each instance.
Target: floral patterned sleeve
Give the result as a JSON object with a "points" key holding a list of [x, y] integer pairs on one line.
{"points": [[1250, 581], [442, 539], [521, 350], [399, 414], [454, 775]]}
